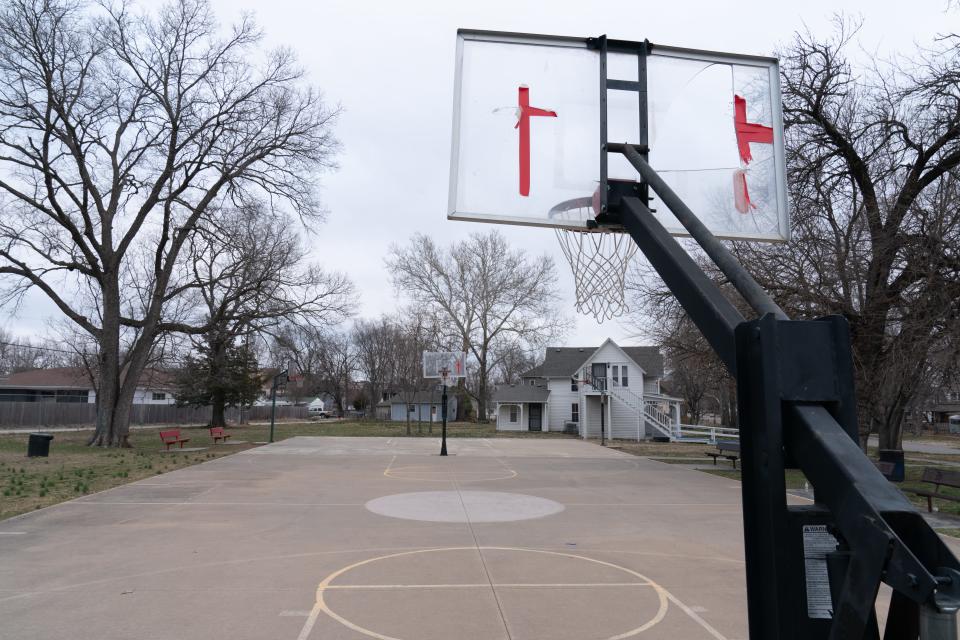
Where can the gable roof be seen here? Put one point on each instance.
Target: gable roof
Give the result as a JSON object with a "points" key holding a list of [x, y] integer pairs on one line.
{"points": [[562, 362], [76, 378], [419, 397], [520, 393]]}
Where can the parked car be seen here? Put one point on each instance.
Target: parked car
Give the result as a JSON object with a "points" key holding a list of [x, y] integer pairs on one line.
{"points": [[318, 412]]}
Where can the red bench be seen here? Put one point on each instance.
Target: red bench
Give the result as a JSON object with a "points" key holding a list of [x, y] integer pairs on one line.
{"points": [[217, 433], [173, 437]]}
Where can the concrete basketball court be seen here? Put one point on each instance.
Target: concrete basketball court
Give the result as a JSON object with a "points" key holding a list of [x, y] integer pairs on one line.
{"points": [[354, 538]]}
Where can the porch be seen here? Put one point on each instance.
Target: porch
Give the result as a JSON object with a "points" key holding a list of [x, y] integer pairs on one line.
{"points": [[522, 408]]}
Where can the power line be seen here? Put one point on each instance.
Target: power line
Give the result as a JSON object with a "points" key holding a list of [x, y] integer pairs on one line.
{"points": [[39, 348]]}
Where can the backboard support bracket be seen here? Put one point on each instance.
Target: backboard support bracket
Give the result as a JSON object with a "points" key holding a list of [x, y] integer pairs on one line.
{"points": [[639, 86]]}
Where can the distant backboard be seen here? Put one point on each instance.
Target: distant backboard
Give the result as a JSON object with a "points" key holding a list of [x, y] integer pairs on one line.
{"points": [[526, 133], [445, 365]]}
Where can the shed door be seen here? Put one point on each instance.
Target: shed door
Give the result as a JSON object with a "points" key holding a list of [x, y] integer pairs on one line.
{"points": [[536, 413]]}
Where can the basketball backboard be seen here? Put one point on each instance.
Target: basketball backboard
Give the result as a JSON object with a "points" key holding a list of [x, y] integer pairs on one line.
{"points": [[445, 365], [526, 132]]}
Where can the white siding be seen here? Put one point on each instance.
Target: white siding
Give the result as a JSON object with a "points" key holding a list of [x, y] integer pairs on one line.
{"points": [[624, 421], [421, 411], [142, 396], [651, 385], [561, 397], [503, 418], [611, 354]]}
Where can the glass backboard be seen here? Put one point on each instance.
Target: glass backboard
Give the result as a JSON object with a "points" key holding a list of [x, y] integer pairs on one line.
{"points": [[526, 133]]}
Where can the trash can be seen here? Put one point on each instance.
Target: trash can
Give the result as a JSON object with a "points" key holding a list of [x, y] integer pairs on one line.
{"points": [[896, 457], [39, 445]]}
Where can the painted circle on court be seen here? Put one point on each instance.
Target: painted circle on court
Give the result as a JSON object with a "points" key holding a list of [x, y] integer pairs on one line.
{"points": [[523, 571], [463, 506]]}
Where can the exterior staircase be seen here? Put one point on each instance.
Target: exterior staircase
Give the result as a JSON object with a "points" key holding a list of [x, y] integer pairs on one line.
{"points": [[649, 413]]}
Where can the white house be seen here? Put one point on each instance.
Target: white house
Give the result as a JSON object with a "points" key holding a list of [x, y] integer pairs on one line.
{"points": [[585, 389]]}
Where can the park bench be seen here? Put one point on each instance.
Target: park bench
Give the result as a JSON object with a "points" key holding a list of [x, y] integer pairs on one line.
{"points": [[728, 450], [173, 436], [938, 478], [217, 433]]}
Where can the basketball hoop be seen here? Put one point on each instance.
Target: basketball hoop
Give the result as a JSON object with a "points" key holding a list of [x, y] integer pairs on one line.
{"points": [[598, 258], [446, 379]]}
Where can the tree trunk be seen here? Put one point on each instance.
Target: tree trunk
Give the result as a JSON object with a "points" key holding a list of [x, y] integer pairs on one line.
{"points": [[112, 428], [218, 410], [482, 392], [218, 351]]}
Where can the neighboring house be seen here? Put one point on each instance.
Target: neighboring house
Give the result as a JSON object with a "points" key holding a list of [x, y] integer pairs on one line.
{"points": [[72, 384], [945, 406], [419, 406], [584, 389]]}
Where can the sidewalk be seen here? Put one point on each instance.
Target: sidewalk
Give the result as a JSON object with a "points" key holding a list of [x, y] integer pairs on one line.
{"points": [[948, 447]]}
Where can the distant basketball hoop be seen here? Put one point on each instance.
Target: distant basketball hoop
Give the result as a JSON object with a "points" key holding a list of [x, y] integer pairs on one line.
{"points": [[447, 366]]}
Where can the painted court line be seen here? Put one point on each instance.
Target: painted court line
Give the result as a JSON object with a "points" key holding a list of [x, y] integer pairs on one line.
{"points": [[483, 585], [228, 504], [652, 504]]}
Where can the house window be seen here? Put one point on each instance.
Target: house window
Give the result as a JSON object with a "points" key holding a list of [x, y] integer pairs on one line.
{"points": [[573, 384], [159, 395], [623, 376], [575, 412], [411, 408], [532, 382], [616, 376], [514, 414]]}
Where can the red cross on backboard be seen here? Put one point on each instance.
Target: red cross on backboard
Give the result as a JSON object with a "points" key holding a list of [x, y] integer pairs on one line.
{"points": [[525, 111], [747, 132]]}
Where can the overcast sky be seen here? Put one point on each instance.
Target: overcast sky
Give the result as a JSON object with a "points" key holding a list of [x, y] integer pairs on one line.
{"points": [[390, 66]]}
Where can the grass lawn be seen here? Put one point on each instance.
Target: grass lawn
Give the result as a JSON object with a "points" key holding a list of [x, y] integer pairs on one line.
{"points": [[660, 449], [74, 469]]}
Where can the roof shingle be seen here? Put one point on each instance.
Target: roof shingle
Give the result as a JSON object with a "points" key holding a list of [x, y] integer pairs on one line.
{"points": [[561, 362]]}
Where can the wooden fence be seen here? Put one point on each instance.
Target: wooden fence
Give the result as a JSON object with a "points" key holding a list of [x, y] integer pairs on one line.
{"points": [[55, 414]]}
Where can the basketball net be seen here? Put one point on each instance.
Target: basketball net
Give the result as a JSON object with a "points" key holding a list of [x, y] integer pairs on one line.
{"points": [[598, 259]]}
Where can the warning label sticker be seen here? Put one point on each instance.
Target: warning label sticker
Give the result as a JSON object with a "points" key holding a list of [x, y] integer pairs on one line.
{"points": [[817, 543]]}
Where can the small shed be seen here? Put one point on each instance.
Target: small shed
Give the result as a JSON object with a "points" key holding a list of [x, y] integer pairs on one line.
{"points": [[422, 406]]}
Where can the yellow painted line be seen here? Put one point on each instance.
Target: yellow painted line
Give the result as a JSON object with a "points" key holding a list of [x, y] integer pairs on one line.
{"points": [[322, 607], [386, 471]]}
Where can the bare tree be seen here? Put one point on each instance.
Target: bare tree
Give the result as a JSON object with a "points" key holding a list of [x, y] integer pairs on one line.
{"points": [[22, 354], [336, 364], [693, 370], [119, 133], [376, 343], [873, 159], [487, 294], [248, 275], [513, 360]]}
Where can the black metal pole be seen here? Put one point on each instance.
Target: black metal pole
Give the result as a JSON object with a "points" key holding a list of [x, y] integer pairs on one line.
{"points": [[603, 412], [739, 277], [443, 413], [273, 406]]}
